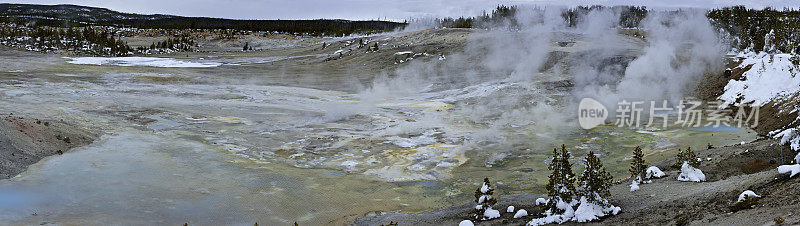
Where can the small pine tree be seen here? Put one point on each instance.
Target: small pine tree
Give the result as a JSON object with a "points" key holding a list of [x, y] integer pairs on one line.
{"points": [[246, 46], [561, 186], [595, 180], [484, 199], [687, 156], [638, 167]]}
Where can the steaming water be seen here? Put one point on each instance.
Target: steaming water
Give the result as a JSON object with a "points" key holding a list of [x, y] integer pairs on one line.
{"points": [[202, 146], [217, 153]]}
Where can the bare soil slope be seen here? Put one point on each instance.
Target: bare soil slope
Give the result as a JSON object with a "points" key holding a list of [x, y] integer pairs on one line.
{"points": [[25, 141]]}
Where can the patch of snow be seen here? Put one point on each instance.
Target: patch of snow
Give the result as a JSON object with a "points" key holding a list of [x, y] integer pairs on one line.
{"points": [[466, 223], [490, 213], [789, 137], [567, 215], [792, 170], [141, 61], [586, 211], [349, 164], [541, 201], [746, 194], [634, 185], [521, 213], [589, 211], [484, 188], [689, 173], [654, 172], [403, 53], [510, 209]]}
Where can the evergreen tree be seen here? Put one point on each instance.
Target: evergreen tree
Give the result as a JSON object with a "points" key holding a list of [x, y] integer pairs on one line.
{"points": [[561, 186], [246, 45], [638, 167], [687, 156], [595, 181], [484, 199]]}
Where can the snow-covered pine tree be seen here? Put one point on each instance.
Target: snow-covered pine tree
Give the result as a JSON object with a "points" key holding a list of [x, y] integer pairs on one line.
{"points": [[484, 200], [595, 181], [561, 186], [638, 167]]}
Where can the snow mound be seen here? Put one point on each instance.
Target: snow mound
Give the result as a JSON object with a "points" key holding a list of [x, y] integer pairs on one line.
{"points": [[141, 61], [490, 213], [634, 185], [654, 172], [541, 201], [589, 211], [586, 211], [746, 194], [792, 170], [521, 213], [466, 223], [510, 209], [689, 173]]}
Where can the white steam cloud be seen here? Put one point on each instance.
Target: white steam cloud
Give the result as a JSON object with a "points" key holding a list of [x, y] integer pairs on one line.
{"points": [[524, 81]]}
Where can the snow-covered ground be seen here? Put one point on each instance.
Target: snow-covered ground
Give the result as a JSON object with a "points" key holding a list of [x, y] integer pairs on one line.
{"points": [[141, 61], [771, 77]]}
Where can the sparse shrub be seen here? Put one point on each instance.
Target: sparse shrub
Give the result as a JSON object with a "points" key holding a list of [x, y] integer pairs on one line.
{"points": [[681, 220], [778, 220]]}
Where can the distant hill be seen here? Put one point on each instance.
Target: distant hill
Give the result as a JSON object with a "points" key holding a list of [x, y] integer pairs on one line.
{"points": [[74, 15]]}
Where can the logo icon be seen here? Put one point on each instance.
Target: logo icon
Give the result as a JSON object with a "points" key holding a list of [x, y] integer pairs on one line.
{"points": [[591, 113]]}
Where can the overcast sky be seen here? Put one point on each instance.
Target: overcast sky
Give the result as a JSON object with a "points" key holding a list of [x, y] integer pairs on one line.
{"points": [[364, 9]]}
